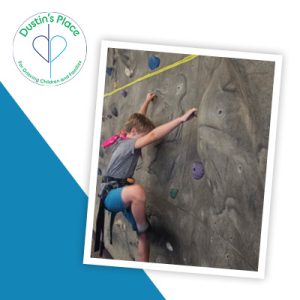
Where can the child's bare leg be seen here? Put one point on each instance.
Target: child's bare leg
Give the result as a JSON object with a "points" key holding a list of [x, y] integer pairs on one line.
{"points": [[143, 247], [134, 195]]}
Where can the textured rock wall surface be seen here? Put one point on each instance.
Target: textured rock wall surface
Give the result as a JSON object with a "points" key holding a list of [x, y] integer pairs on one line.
{"points": [[214, 221]]}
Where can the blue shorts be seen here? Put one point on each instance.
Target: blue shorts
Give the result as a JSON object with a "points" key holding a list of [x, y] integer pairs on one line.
{"points": [[114, 203]]}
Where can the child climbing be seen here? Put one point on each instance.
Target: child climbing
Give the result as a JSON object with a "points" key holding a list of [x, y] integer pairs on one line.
{"points": [[122, 194]]}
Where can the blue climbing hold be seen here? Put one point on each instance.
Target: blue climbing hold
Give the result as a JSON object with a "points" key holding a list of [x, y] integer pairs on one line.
{"points": [[197, 170], [124, 93], [109, 71], [153, 62]]}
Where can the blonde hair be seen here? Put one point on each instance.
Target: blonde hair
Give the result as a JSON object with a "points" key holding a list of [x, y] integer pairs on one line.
{"points": [[140, 122]]}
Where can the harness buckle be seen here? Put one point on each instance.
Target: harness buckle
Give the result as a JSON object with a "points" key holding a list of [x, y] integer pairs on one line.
{"points": [[130, 180]]}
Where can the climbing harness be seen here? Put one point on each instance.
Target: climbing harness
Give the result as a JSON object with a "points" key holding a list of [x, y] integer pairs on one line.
{"points": [[112, 183]]}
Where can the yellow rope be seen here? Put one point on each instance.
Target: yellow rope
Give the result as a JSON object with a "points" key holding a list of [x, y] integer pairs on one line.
{"points": [[166, 68]]}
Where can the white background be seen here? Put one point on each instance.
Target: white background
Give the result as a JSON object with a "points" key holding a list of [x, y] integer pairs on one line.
{"points": [[64, 115]]}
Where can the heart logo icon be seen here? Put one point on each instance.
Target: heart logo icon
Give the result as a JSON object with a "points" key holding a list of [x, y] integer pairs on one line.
{"points": [[49, 49], [41, 46], [58, 45]]}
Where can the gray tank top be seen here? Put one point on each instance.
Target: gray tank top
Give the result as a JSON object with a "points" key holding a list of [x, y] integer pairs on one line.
{"points": [[123, 160]]}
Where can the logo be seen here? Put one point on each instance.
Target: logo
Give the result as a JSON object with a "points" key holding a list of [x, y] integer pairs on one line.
{"points": [[49, 48]]}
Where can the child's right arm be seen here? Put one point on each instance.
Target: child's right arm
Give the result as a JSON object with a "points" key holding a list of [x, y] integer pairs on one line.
{"points": [[144, 107], [162, 130]]}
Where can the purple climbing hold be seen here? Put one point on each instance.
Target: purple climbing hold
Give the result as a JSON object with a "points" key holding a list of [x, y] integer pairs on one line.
{"points": [[124, 93], [109, 71], [153, 62], [197, 170], [109, 116]]}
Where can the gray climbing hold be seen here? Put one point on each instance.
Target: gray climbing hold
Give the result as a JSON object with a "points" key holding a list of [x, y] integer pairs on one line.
{"points": [[240, 168], [128, 72], [197, 170], [99, 172], [114, 111], [101, 152], [169, 246], [124, 93]]}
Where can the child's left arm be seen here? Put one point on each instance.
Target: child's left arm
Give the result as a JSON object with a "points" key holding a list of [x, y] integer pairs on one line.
{"points": [[144, 107], [164, 129]]}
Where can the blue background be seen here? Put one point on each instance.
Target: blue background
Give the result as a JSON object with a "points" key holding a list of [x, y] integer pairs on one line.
{"points": [[42, 224]]}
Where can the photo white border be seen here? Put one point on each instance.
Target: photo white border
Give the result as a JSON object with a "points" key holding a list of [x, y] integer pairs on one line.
{"points": [[277, 59]]}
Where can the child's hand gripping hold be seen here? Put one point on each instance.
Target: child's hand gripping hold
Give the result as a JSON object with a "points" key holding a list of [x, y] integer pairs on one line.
{"points": [[189, 115], [150, 97]]}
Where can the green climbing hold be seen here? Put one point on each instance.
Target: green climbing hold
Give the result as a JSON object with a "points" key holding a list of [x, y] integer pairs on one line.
{"points": [[173, 193]]}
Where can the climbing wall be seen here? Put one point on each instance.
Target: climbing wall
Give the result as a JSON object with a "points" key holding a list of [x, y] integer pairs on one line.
{"points": [[205, 180]]}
